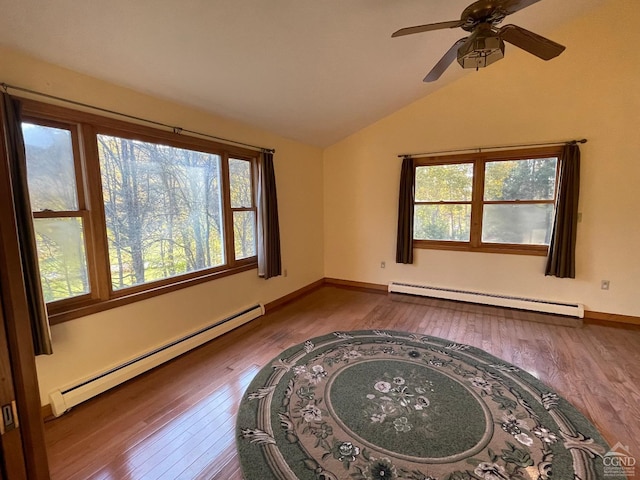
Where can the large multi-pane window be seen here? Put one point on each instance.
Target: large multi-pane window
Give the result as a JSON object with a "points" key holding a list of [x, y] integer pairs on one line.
{"points": [[123, 212], [494, 202], [163, 210]]}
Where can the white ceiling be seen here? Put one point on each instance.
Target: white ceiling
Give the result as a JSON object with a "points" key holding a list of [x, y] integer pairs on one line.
{"points": [[313, 71]]}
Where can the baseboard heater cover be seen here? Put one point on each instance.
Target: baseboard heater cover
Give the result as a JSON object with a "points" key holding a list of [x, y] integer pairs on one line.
{"points": [[71, 395], [558, 308]]}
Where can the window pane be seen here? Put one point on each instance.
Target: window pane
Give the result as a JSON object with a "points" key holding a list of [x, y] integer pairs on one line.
{"points": [[523, 224], [50, 168], [240, 183], [444, 183], [62, 257], [442, 222], [532, 179], [244, 230], [163, 210]]}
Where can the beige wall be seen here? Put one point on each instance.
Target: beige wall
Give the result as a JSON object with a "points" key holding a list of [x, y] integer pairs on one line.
{"points": [[91, 344], [590, 91]]}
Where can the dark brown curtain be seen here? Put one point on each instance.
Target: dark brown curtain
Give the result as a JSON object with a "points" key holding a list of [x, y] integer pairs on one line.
{"points": [[269, 261], [12, 131], [561, 261], [404, 245]]}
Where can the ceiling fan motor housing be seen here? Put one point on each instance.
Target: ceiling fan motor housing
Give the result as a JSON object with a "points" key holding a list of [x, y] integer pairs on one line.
{"points": [[481, 50]]}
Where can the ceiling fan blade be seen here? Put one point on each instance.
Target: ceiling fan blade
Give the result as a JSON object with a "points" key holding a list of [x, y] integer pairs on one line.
{"points": [[444, 62], [428, 28], [513, 6], [531, 42]]}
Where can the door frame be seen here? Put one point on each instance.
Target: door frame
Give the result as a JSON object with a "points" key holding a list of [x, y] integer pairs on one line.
{"points": [[18, 347], [12, 454]]}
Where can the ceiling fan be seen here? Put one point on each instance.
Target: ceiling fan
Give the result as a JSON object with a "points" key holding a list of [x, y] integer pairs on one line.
{"points": [[485, 45]]}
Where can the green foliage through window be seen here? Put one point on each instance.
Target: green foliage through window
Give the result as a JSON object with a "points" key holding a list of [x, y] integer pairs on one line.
{"points": [[515, 206], [433, 218]]}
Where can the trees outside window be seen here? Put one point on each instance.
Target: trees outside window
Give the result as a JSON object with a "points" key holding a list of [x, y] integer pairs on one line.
{"points": [[443, 202], [495, 202], [163, 210], [123, 212]]}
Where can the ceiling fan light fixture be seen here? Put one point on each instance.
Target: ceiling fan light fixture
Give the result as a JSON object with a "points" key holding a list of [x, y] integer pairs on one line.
{"points": [[480, 51]]}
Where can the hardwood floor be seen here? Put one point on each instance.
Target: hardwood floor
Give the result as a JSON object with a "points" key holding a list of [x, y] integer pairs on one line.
{"points": [[178, 421]]}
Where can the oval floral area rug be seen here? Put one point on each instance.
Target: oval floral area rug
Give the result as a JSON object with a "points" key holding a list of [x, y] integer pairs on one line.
{"points": [[380, 405]]}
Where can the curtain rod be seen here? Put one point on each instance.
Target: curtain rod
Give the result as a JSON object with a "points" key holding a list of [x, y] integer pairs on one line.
{"points": [[176, 130], [484, 149]]}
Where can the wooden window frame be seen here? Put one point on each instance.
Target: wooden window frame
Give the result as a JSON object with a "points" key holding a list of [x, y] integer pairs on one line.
{"points": [[252, 208], [479, 160], [87, 127]]}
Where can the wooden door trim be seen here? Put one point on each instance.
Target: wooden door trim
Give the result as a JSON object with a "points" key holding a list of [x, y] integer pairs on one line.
{"points": [[10, 441], [18, 331]]}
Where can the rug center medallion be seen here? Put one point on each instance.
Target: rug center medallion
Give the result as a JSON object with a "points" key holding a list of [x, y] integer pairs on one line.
{"points": [[407, 409]]}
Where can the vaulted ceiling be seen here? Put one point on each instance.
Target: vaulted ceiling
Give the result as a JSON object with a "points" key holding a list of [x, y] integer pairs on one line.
{"points": [[314, 71]]}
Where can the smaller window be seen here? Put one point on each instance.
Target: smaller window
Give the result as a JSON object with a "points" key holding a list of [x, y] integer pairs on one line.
{"points": [[518, 201], [493, 202], [58, 210], [443, 202], [243, 208]]}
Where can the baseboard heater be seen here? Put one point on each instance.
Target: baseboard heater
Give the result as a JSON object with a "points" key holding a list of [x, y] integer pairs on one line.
{"points": [[568, 309], [71, 395]]}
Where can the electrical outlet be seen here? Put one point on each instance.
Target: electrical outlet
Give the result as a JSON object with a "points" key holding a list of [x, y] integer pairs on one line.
{"points": [[284, 272], [383, 264], [604, 284]]}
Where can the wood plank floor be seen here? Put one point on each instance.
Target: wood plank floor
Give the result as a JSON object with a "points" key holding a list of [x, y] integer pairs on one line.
{"points": [[178, 421]]}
